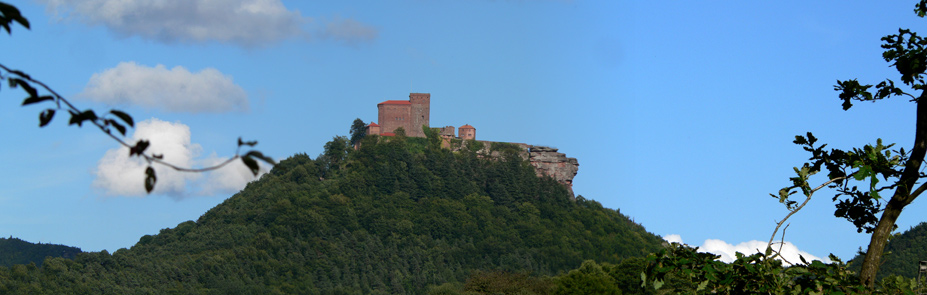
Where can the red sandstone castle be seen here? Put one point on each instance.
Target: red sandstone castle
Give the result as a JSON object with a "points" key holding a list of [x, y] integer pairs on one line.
{"points": [[411, 115]]}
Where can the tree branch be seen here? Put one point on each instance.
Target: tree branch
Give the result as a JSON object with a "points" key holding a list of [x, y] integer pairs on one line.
{"points": [[793, 211], [919, 190], [150, 158], [781, 244]]}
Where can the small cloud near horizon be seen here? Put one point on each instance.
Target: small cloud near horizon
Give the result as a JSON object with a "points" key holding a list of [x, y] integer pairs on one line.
{"points": [[728, 251]]}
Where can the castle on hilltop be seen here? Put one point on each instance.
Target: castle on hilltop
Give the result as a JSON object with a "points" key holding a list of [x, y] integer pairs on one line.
{"points": [[411, 115]]}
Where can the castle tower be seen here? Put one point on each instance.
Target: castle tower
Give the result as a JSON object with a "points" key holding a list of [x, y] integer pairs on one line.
{"points": [[420, 113]]}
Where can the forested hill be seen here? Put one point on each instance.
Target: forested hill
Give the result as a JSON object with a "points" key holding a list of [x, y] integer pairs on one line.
{"points": [[16, 251], [394, 217], [902, 253]]}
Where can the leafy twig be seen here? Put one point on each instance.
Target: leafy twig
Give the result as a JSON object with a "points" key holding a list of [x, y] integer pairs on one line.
{"points": [[793, 211], [19, 79]]}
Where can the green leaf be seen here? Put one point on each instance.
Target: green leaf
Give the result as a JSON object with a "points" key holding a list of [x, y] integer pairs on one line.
{"points": [[260, 156], [251, 163], [11, 12], [124, 117], [119, 127], [702, 285], [25, 85], [45, 117], [34, 99], [79, 118], [800, 140], [248, 143], [863, 172], [811, 138], [657, 284], [139, 147], [20, 73], [150, 179]]}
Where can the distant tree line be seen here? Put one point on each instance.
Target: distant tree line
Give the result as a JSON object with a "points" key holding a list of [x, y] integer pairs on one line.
{"points": [[16, 251]]}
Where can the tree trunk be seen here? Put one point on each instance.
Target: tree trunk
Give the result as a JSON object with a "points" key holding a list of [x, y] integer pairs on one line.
{"points": [[900, 199]]}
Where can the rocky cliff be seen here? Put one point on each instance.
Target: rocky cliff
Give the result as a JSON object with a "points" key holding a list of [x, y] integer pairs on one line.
{"points": [[547, 161]]}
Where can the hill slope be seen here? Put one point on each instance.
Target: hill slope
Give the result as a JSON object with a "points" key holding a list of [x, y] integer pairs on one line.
{"points": [[16, 251], [902, 253], [392, 217]]}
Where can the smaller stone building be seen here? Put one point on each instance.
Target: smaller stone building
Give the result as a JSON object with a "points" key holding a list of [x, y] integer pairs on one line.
{"points": [[373, 128], [467, 132]]}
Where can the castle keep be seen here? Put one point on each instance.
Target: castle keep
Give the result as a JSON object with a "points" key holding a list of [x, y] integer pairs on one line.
{"points": [[411, 115]]}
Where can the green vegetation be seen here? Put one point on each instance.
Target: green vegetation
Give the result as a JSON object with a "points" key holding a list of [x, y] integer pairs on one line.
{"points": [[680, 269], [392, 217], [589, 278], [855, 174], [902, 254], [358, 131], [16, 251], [505, 148]]}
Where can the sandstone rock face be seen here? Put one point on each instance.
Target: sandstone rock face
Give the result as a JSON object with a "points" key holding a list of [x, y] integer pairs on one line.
{"points": [[548, 162], [545, 160]]}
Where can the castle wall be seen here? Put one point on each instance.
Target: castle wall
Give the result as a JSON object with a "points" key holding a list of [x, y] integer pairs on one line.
{"points": [[448, 131]]}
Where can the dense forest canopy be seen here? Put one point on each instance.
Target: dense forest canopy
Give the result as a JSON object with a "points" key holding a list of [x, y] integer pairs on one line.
{"points": [[902, 253], [395, 216]]}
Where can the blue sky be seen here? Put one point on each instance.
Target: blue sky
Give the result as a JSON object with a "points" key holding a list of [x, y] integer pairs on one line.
{"points": [[681, 114]]}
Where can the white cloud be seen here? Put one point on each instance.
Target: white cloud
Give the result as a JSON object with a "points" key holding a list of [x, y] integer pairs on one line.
{"points": [[119, 175], [673, 239], [229, 179], [248, 23], [348, 31], [176, 90], [727, 251], [244, 22]]}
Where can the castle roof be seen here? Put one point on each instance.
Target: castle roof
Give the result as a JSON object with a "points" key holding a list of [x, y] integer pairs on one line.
{"points": [[387, 134], [395, 102], [467, 127], [372, 124]]}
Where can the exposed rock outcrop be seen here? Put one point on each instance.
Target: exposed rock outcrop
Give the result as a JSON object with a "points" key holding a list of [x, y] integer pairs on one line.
{"points": [[547, 161]]}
